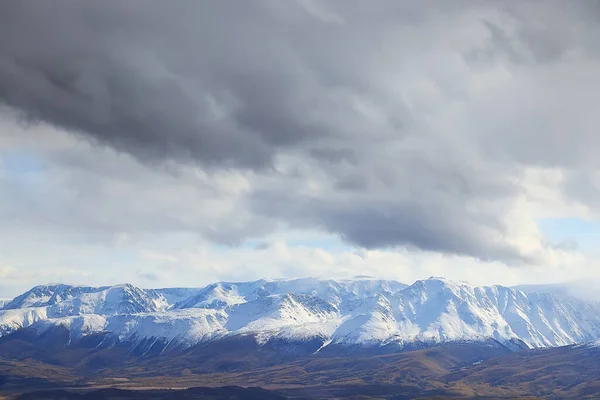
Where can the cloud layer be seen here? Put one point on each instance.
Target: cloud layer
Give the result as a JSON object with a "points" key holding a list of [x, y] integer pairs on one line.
{"points": [[420, 125]]}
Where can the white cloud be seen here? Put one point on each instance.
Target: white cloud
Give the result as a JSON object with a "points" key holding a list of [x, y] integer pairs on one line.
{"points": [[431, 139]]}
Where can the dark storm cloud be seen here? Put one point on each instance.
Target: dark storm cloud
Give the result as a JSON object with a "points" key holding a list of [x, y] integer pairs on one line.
{"points": [[190, 81], [389, 123], [434, 200], [393, 224], [220, 83]]}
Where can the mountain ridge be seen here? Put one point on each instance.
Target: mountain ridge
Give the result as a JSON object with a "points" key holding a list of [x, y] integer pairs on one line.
{"points": [[349, 312]]}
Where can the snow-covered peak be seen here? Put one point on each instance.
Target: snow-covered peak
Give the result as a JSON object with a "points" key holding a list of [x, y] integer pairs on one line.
{"points": [[438, 281], [44, 295], [346, 311], [225, 294], [220, 295]]}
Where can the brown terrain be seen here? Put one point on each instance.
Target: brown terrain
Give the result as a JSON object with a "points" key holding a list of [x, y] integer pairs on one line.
{"points": [[240, 369]]}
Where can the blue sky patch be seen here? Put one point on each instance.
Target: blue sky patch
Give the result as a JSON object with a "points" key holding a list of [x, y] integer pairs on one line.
{"points": [[560, 230]]}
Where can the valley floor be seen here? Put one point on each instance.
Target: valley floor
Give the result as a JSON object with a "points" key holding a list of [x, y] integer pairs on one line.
{"points": [[447, 371]]}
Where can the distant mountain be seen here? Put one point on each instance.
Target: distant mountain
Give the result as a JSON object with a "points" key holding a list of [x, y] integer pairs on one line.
{"points": [[586, 290], [362, 312]]}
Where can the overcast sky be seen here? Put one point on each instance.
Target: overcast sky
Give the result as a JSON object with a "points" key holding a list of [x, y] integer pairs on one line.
{"points": [[182, 142]]}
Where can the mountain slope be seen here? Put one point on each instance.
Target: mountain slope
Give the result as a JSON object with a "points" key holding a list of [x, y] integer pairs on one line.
{"points": [[354, 312]]}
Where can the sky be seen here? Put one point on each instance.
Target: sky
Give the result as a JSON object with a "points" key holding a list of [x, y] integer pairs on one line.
{"points": [[185, 142]]}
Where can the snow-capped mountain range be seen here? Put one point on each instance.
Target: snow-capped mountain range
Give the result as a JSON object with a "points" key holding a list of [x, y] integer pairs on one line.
{"points": [[362, 311]]}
